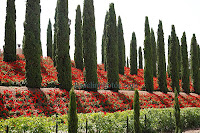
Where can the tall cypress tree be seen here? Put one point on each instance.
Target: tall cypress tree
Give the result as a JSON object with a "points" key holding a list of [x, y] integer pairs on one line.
{"points": [[78, 55], [154, 56], [148, 72], [161, 59], [195, 64], [112, 50], [184, 65], [89, 43], [127, 62], [63, 60], [104, 42], [10, 32], [174, 71], [133, 55], [140, 58], [168, 66], [121, 47], [55, 34], [32, 44], [49, 40], [179, 58]]}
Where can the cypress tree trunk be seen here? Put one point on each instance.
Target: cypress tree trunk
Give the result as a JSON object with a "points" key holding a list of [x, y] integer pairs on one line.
{"points": [[174, 70], [32, 44], [55, 34], [195, 64], [49, 40], [78, 55], [161, 59], [112, 51], [140, 58], [89, 43], [63, 60], [136, 106], [127, 62], [154, 56], [72, 114], [148, 71], [121, 47], [184, 65], [177, 114], [133, 55], [10, 32]]}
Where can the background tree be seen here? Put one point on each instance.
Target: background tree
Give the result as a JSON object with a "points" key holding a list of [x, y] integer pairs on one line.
{"points": [[148, 72], [140, 58], [179, 58], [72, 114], [133, 55], [174, 70], [32, 44], [184, 65], [55, 36], [195, 64], [63, 60], [121, 47], [177, 114], [112, 51], [10, 32], [154, 56], [168, 66], [127, 62], [136, 106], [161, 59], [78, 55], [49, 40], [89, 43]]}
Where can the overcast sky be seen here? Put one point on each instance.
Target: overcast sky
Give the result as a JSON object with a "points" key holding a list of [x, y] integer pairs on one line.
{"points": [[184, 14]]}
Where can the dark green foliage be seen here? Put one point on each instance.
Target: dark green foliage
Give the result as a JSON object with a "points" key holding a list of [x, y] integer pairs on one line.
{"points": [[104, 43], [127, 62], [133, 55], [121, 47], [154, 56], [55, 33], [179, 58], [177, 113], [89, 44], [32, 44], [136, 107], [112, 50], [10, 32], [195, 64], [78, 55], [173, 55], [161, 59], [184, 65], [140, 58], [148, 72], [49, 40], [72, 114], [168, 66], [63, 60]]}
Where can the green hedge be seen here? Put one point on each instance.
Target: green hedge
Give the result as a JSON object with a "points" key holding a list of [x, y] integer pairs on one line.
{"points": [[157, 120]]}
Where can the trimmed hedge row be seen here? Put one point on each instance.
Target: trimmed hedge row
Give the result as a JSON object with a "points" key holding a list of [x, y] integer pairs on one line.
{"points": [[157, 120]]}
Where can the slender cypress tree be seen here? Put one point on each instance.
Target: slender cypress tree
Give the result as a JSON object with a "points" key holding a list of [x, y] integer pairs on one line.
{"points": [[112, 51], [148, 72], [55, 34], [140, 58], [63, 60], [154, 56], [127, 62], [72, 114], [177, 114], [168, 66], [78, 55], [195, 64], [161, 59], [185, 65], [32, 44], [174, 71], [10, 32], [136, 106], [89, 43], [133, 55], [179, 58], [121, 47], [49, 40]]}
